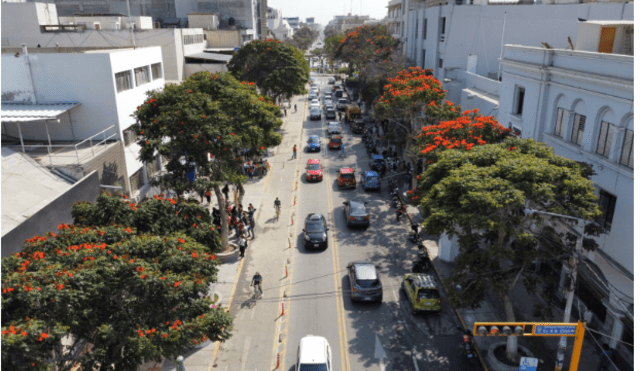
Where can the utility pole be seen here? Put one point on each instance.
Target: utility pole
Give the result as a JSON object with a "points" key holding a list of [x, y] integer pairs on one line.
{"points": [[573, 273]]}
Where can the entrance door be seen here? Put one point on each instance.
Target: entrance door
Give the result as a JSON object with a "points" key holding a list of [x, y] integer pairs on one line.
{"points": [[607, 35]]}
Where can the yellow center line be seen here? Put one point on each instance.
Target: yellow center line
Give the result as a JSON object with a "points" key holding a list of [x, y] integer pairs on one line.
{"points": [[339, 303]]}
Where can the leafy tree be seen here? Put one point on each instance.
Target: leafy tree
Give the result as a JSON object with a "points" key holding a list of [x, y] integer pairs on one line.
{"points": [[203, 124], [321, 53], [366, 45], [480, 195], [110, 297], [278, 70], [303, 38]]}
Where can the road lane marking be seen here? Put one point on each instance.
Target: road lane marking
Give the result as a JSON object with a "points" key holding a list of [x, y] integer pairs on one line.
{"points": [[342, 330], [415, 363], [245, 351]]}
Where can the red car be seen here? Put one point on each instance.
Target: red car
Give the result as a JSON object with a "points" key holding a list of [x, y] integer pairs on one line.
{"points": [[314, 170], [346, 178], [335, 142]]}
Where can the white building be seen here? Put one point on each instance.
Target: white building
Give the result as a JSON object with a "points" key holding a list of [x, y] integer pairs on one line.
{"points": [[37, 25], [453, 39], [283, 31], [274, 17], [53, 101]]}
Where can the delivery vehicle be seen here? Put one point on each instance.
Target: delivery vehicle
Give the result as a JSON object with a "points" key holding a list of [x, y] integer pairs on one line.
{"points": [[354, 118]]}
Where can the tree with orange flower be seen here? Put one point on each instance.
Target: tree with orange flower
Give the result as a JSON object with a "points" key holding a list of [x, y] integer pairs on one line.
{"points": [[202, 125], [113, 295]]}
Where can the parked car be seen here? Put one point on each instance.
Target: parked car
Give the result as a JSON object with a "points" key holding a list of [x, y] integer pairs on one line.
{"points": [[314, 354], [329, 112], [334, 128], [316, 114], [342, 104], [378, 163], [313, 143], [314, 170], [371, 180], [423, 292], [332, 80], [315, 231], [335, 142], [346, 178], [365, 281], [356, 213]]}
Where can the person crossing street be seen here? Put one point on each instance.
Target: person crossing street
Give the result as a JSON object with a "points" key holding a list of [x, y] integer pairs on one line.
{"points": [[295, 151]]}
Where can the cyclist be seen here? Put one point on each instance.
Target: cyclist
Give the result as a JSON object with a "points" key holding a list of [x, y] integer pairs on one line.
{"points": [[257, 282], [276, 204]]}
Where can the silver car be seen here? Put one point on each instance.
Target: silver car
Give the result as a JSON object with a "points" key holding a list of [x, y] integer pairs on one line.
{"points": [[365, 281]]}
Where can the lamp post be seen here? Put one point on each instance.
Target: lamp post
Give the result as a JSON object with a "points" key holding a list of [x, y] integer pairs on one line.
{"points": [[573, 271]]}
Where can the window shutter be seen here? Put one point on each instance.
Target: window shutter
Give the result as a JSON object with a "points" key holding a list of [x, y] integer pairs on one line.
{"points": [[604, 140], [561, 121], [578, 129], [627, 149]]}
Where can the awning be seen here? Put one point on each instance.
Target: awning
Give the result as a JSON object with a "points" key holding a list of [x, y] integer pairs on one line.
{"points": [[211, 57], [23, 112]]}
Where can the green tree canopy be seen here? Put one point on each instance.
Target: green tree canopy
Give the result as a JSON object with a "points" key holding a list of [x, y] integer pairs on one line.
{"points": [[480, 196], [110, 296], [203, 124], [366, 45], [278, 70], [303, 38]]}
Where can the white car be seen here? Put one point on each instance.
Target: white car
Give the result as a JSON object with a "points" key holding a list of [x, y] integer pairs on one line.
{"points": [[334, 128], [314, 103], [314, 353], [313, 95], [328, 100]]}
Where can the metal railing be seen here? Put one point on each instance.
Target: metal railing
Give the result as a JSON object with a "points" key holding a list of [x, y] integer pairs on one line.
{"points": [[76, 148]]}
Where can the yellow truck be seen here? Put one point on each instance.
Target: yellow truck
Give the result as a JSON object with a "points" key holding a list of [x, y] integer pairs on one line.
{"points": [[354, 118]]}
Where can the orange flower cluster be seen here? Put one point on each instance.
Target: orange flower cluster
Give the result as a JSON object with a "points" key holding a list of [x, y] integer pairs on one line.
{"points": [[412, 83]]}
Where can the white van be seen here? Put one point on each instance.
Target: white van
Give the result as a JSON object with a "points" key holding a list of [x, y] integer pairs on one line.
{"points": [[314, 354]]}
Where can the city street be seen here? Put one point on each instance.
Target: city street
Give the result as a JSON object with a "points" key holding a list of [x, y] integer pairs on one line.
{"points": [[314, 289]]}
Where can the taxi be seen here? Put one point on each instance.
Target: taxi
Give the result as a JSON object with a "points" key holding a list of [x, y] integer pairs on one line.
{"points": [[371, 180], [423, 292], [346, 177], [335, 142], [314, 170]]}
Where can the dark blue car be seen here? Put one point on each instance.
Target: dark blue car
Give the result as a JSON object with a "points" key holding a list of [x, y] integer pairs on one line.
{"points": [[371, 180], [378, 163], [314, 143]]}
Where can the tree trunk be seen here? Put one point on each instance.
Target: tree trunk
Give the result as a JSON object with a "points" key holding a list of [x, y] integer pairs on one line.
{"points": [[224, 221], [512, 341], [240, 192]]}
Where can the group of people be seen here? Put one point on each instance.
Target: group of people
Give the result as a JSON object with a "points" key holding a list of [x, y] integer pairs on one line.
{"points": [[259, 168], [241, 221]]}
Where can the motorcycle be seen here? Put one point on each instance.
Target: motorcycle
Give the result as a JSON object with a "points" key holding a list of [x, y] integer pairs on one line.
{"points": [[468, 351], [423, 264]]}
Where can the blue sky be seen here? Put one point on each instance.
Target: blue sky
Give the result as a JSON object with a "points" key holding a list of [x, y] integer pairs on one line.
{"points": [[324, 10]]}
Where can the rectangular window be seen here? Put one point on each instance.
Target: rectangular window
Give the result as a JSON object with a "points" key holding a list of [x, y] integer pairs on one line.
{"points": [[561, 120], [151, 169], [577, 132], [137, 180], [608, 204], [444, 23], [193, 39], [424, 58], [424, 29], [440, 63], [142, 75], [605, 139], [417, 29], [129, 136], [123, 81], [156, 71], [519, 100], [627, 149]]}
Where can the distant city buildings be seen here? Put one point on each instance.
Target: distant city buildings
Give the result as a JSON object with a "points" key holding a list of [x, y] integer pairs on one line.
{"points": [[345, 22]]}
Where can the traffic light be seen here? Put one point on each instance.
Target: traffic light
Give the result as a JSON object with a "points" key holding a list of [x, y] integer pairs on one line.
{"points": [[502, 329]]}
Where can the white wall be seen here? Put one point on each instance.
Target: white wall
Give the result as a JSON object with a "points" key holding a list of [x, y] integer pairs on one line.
{"points": [[478, 30], [204, 21]]}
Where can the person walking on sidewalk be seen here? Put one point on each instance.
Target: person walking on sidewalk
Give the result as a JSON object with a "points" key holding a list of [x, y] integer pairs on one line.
{"points": [[225, 190], [285, 112], [295, 151], [295, 107], [208, 196], [242, 245], [250, 172], [252, 224]]}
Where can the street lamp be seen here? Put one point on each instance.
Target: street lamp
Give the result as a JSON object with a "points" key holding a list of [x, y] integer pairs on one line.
{"points": [[573, 271]]}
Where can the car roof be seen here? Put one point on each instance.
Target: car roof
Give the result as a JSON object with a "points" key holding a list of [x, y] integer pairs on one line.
{"points": [[365, 271], [370, 173], [314, 216], [334, 123], [313, 161], [346, 170], [377, 157], [424, 281], [315, 109], [313, 136], [313, 349]]}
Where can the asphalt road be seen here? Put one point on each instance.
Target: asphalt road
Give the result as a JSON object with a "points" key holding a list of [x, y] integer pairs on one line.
{"points": [[363, 336]]}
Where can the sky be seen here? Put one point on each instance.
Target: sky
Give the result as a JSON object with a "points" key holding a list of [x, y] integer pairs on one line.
{"points": [[324, 10]]}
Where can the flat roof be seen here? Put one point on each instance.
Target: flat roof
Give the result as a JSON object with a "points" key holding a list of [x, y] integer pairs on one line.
{"points": [[24, 112], [611, 23], [211, 57]]}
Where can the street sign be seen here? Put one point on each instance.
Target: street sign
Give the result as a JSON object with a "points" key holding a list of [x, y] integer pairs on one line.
{"points": [[528, 364], [563, 330]]}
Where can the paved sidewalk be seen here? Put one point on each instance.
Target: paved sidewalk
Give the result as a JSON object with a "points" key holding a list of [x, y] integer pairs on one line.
{"points": [[257, 192]]}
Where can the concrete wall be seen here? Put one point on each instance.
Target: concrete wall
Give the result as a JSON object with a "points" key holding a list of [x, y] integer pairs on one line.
{"points": [[48, 218], [224, 38], [204, 21], [156, 8], [478, 30], [109, 22], [191, 68]]}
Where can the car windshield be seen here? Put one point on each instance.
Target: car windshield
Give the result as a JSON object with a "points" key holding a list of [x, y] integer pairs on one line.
{"points": [[428, 294], [313, 367], [314, 140], [342, 101], [347, 176], [331, 111], [315, 226], [372, 179], [314, 166]]}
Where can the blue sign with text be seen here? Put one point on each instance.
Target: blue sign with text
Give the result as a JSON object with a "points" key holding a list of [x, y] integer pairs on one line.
{"points": [[555, 330]]}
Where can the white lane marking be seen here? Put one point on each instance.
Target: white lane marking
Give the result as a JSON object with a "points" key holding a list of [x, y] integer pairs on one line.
{"points": [[379, 351], [245, 351], [381, 365], [415, 363]]}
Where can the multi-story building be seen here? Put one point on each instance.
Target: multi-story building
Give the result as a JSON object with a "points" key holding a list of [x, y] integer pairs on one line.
{"points": [[294, 22], [274, 17], [73, 111], [310, 20], [346, 22], [457, 37]]}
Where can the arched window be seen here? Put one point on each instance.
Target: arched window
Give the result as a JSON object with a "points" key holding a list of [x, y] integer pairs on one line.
{"points": [[562, 116], [579, 122], [626, 157], [605, 136]]}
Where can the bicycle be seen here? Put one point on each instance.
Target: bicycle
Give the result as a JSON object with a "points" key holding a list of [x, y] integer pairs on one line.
{"points": [[257, 293]]}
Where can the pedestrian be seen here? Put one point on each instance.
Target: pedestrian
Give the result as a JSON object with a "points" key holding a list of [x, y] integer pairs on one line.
{"points": [[285, 112], [340, 116], [250, 172], [342, 149], [235, 221], [251, 210], [252, 225], [225, 190], [295, 151], [234, 212], [295, 107], [242, 244], [208, 196], [605, 358]]}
